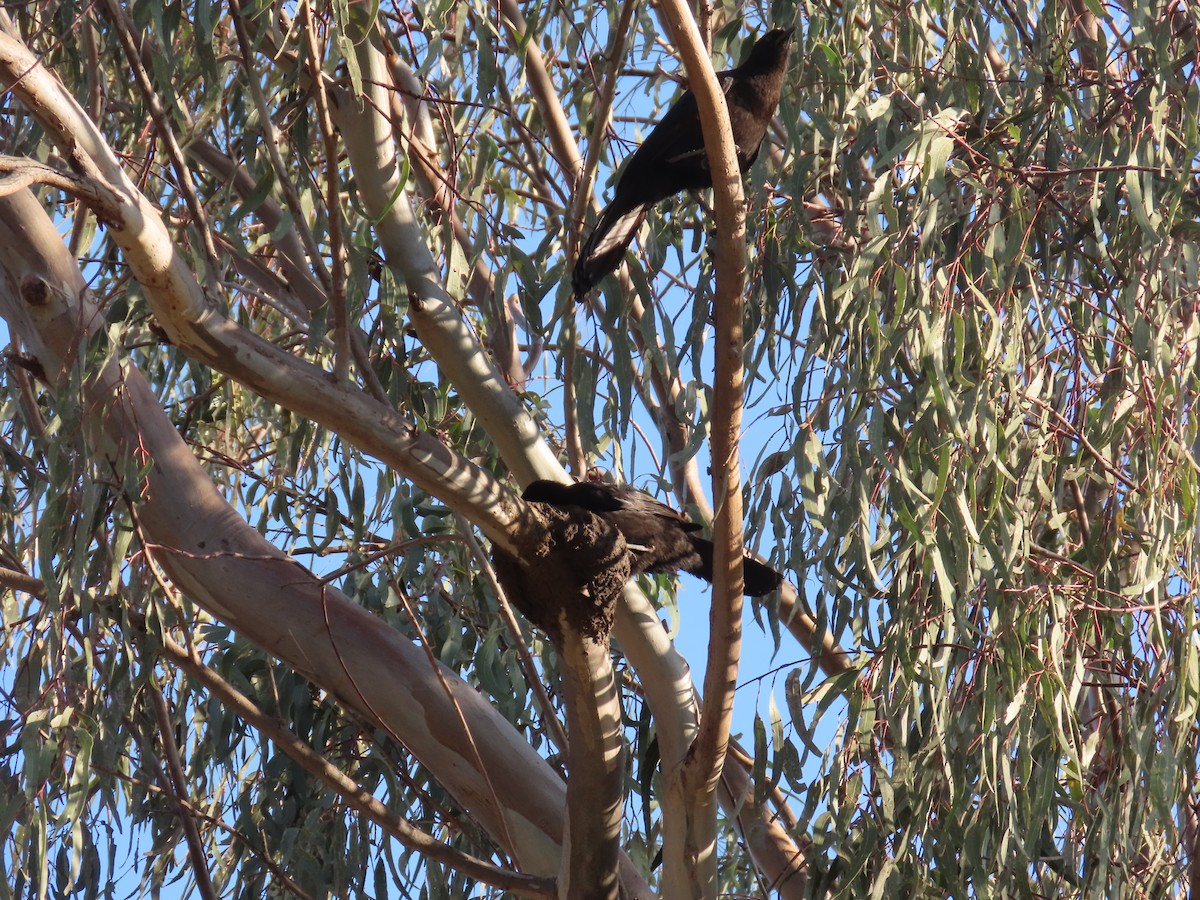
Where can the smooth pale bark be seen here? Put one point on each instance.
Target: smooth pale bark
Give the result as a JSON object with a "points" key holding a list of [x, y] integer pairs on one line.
{"points": [[664, 673], [595, 791], [226, 566], [198, 329], [595, 766], [701, 769], [215, 558], [672, 700], [196, 326], [375, 158], [362, 801]]}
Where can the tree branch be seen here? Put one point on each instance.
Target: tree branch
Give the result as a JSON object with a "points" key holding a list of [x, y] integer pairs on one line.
{"points": [[195, 326], [434, 183], [287, 244], [19, 581], [212, 555], [601, 113], [178, 782], [21, 173], [372, 152], [596, 787], [337, 780], [706, 757]]}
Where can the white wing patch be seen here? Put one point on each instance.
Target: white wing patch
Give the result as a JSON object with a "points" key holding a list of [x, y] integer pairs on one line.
{"points": [[620, 233]]}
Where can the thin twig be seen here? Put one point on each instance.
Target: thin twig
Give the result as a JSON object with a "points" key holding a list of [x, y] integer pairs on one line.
{"points": [[356, 798], [333, 207], [554, 728], [166, 133], [174, 772]]}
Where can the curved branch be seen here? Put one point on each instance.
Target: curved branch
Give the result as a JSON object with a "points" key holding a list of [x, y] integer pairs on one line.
{"points": [[213, 556], [413, 127], [19, 581], [198, 328], [20, 173], [596, 789], [702, 769], [177, 782], [443, 332], [356, 798]]}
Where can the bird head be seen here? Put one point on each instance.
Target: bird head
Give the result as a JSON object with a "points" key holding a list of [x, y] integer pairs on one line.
{"points": [[770, 49]]}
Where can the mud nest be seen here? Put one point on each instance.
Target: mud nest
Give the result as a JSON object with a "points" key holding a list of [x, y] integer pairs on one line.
{"points": [[572, 575]]}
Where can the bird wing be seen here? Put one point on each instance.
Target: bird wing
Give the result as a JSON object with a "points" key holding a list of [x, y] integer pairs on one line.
{"points": [[676, 136], [600, 497], [614, 231], [557, 493], [671, 159], [636, 501]]}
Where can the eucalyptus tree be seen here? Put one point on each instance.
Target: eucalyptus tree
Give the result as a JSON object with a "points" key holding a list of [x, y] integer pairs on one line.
{"points": [[286, 289]]}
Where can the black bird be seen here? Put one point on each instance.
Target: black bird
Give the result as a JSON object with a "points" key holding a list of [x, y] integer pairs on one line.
{"points": [[672, 158], [659, 538]]}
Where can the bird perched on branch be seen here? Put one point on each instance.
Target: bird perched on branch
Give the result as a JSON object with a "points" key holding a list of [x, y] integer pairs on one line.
{"points": [[672, 158], [659, 538]]}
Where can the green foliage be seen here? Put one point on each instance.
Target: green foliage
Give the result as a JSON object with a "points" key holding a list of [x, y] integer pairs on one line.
{"points": [[995, 406], [971, 304]]}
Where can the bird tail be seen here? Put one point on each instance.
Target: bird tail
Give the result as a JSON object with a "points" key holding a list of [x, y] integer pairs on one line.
{"points": [[604, 249], [757, 578]]}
